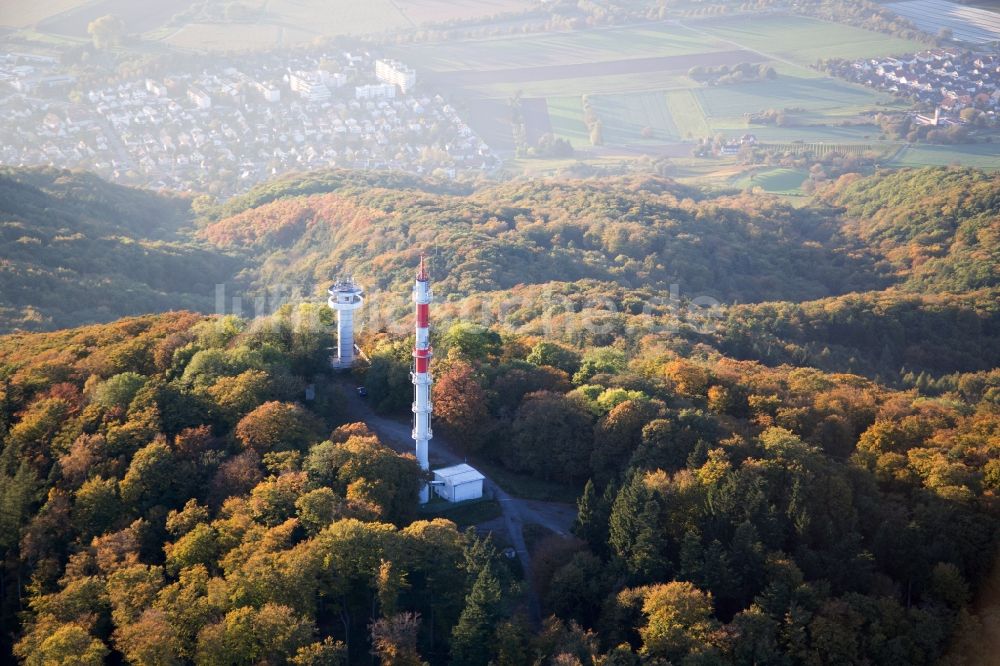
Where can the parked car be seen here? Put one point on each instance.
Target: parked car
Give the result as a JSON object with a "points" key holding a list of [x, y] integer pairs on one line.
{"points": [[362, 392]]}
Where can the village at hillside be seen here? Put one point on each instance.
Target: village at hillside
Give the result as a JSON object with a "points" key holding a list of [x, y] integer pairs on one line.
{"points": [[227, 127], [960, 86]]}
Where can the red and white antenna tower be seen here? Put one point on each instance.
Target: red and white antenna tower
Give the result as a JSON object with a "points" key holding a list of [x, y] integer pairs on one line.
{"points": [[421, 374]]}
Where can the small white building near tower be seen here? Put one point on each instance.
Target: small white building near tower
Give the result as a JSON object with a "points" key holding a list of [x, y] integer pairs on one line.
{"points": [[458, 483]]}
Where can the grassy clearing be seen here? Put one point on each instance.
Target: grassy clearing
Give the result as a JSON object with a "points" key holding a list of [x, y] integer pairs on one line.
{"points": [[625, 117], [464, 514], [980, 155], [534, 534], [805, 40], [528, 487]]}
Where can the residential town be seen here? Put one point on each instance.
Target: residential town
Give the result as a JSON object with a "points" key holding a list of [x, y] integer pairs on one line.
{"points": [[223, 130], [946, 79]]}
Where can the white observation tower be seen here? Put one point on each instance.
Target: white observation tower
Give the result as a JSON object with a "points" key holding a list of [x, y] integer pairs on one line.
{"points": [[345, 298], [421, 375]]}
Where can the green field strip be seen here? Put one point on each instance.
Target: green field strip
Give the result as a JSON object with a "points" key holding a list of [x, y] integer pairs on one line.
{"points": [[625, 116], [566, 118], [784, 92], [805, 40], [583, 85], [980, 155], [561, 48], [687, 114]]}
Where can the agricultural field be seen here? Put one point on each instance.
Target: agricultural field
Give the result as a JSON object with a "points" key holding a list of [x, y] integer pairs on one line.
{"points": [[823, 148], [981, 155], [566, 120], [824, 97], [492, 117], [422, 12], [777, 181], [687, 113], [802, 41], [833, 133], [628, 119], [139, 17], [19, 14], [638, 79], [575, 83], [788, 42], [270, 23], [235, 37], [336, 17], [788, 181], [286, 23], [692, 113], [582, 47], [968, 24], [607, 68], [536, 119]]}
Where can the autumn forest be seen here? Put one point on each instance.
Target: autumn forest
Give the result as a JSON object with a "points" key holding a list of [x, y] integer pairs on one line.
{"points": [[778, 425]]}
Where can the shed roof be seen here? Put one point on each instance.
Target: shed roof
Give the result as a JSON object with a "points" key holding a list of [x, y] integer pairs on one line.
{"points": [[459, 474]]}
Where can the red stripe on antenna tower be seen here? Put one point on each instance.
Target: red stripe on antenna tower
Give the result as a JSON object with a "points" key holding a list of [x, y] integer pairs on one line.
{"points": [[421, 375]]}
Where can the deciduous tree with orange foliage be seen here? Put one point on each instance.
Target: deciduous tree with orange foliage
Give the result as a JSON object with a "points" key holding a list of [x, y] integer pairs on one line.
{"points": [[460, 406], [278, 426]]}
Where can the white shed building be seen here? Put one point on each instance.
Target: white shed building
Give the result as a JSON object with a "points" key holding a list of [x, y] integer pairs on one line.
{"points": [[458, 483]]}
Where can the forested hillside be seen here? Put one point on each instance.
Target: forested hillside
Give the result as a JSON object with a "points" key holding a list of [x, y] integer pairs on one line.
{"points": [[888, 276], [807, 476], [168, 496], [883, 334], [633, 232], [76, 249], [918, 230], [940, 228]]}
